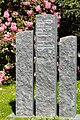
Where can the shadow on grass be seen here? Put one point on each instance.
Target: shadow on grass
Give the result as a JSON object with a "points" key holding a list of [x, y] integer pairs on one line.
{"points": [[13, 105]]}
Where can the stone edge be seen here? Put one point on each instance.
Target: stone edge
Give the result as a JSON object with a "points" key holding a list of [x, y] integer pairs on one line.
{"points": [[12, 115]]}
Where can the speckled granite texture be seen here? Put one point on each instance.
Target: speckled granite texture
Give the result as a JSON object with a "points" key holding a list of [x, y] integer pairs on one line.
{"points": [[24, 73], [46, 75], [67, 76]]}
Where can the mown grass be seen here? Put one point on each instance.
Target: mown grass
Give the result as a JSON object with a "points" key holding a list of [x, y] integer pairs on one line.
{"points": [[78, 97], [7, 98]]}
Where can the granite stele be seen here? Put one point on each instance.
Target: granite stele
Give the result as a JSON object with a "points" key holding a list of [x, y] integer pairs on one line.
{"points": [[24, 73], [46, 71], [46, 75], [67, 76]]}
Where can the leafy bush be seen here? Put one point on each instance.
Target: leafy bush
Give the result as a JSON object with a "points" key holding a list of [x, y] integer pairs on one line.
{"points": [[70, 23], [70, 14]]}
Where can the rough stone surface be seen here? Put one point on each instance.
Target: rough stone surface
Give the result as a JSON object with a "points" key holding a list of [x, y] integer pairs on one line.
{"points": [[46, 33], [67, 76], [24, 73]]}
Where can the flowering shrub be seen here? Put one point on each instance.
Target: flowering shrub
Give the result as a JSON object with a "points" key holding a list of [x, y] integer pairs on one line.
{"points": [[16, 16], [70, 23]]}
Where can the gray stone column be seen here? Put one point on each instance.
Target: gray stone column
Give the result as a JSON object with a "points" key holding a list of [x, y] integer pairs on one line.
{"points": [[24, 73], [67, 76], [46, 75]]}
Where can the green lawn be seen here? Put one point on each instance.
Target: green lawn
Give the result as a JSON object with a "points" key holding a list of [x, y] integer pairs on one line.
{"points": [[7, 101], [7, 97], [78, 97]]}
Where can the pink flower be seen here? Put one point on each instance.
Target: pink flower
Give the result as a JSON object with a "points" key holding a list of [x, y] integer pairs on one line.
{"points": [[9, 4], [26, 29], [13, 45], [56, 14], [34, 45], [34, 0], [7, 67], [8, 34], [1, 29], [2, 74], [15, 13], [38, 8], [78, 54], [78, 68], [13, 27], [8, 37], [52, 1], [25, 23], [3, 25], [51, 11], [0, 21], [13, 24], [59, 18], [44, 13], [58, 25], [29, 12], [19, 30], [58, 66], [9, 19], [5, 38], [6, 14], [54, 7], [7, 23], [34, 37], [47, 5], [29, 24], [27, 3]]}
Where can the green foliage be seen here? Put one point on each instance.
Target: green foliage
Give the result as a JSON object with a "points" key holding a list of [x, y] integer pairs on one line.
{"points": [[70, 14], [70, 23], [7, 96], [78, 97]]}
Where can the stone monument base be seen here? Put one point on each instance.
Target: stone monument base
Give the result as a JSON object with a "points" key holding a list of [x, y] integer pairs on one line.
{"points": [[12, 115]]}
